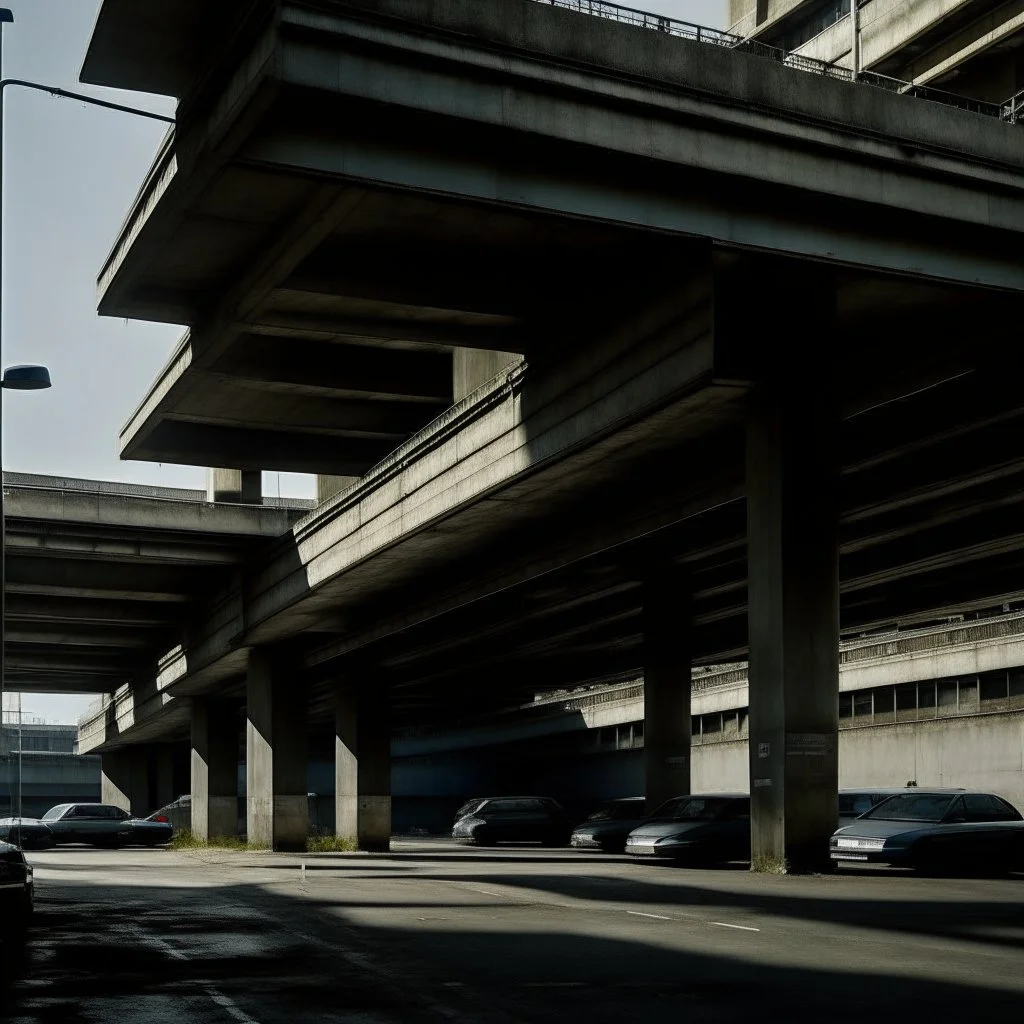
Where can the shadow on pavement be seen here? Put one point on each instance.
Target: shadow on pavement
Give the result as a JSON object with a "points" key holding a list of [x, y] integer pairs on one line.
{"points": [[128, 949]]}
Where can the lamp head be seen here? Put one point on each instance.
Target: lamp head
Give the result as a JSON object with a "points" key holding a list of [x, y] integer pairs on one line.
{"points": [[26, 378], [6, 16]]}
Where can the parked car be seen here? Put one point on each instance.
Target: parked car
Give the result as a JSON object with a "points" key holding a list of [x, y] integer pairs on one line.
{"points": [[26, 833], [17, 891], [512, 819], [935, 830], [606, 829], [855, 802], [177, 814], [706, 829], [103, 825]]}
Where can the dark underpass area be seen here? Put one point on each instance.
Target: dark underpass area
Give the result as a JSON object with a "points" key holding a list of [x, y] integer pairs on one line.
{"points": [[436, 932]]}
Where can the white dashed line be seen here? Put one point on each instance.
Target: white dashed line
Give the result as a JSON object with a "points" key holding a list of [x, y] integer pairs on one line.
{"points": [[657, 917], [490, 892], [738, 927], [229, 1006]]}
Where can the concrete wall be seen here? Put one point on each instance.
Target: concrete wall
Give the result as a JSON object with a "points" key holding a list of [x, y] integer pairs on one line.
{"points": [[48, 779]]}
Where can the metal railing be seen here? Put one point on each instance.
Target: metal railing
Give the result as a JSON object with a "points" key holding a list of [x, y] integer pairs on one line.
{"points": [[1011, 111]]}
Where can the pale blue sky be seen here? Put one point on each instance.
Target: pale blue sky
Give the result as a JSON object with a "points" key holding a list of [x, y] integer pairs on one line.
{"points": [[71, 172]]}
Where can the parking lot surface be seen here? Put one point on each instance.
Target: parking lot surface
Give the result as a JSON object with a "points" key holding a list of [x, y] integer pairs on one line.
{"points": [[436, 932]]}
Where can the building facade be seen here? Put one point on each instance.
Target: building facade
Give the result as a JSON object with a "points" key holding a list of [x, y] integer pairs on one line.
{"points": [[971, 47]]}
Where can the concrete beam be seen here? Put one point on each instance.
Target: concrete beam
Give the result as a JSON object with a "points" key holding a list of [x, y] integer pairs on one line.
{"points": [[343, 371], [263, 449]]}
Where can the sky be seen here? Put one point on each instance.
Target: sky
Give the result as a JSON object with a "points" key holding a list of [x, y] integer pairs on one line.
{"points": [[71, 172]]}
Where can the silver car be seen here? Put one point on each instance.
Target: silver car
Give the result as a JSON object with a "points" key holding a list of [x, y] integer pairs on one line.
{"points": [[103, 825], [705, 829], [935, 830]]}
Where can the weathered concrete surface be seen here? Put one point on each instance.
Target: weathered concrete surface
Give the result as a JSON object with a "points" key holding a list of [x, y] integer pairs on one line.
{"points": [[100, 574], [411, 938], [214, 769], [124, 779], [667, 617], [277, 752], [793, 629]]}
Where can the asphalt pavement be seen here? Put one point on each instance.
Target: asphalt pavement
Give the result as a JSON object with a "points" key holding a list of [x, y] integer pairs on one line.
{"points": [[436, 932]]}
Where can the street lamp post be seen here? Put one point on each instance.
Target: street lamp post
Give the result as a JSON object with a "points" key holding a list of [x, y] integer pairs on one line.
{"points": [[30, 378]]}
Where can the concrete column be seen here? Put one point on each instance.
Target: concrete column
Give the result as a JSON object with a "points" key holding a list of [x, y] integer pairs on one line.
{"points": [[472, 367], [162, 776], [362, 767], [666, 621], [124, 779], [214, 768], [328, 486], [234, 486], [277, 752], [793, 610]]}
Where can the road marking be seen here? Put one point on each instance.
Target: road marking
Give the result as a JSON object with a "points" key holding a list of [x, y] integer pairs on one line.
{"points": [[489, 892], [657, 917], [738, 927], [229, 1006]]}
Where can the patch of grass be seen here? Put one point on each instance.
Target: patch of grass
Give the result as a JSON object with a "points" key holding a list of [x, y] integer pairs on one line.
{"points": [[185, 840], [330, 844], [766, 864]]}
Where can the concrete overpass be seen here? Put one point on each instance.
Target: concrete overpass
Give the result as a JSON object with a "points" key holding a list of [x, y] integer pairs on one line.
{"points": [[101, 578], [705, 263]]}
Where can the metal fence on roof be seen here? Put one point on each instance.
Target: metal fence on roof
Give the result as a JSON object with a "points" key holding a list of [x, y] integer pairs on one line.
{"points": [[1010, 111]]}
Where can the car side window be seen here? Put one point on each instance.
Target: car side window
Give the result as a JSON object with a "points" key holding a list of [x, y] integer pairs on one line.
{"points": [[957, 811], [982, 807]]}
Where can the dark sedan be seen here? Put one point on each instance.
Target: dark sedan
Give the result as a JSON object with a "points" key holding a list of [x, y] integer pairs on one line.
{"points": [[935, 830], [703, 829], [26, 833], [103, 825], [512, 819], [16, 892], [606, 829]]}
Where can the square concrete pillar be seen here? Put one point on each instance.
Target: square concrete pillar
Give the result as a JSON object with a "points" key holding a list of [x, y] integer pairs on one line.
{"points": [[473, 367], [362, 779], [234, 486], [667, 675], [125, 780], [214, 769], [277, 752], [793, 609], [328, 486]]}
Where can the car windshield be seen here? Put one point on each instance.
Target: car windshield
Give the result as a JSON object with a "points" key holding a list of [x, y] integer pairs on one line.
{"points": [[689, 808], [54, 812], [912, 807], [618, 812]]}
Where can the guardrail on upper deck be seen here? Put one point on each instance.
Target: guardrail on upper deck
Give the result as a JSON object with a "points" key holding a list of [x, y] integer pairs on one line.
{"points": [[1010, 111]]}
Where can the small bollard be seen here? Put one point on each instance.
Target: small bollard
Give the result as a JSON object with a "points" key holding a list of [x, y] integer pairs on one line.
{"points": [[303, 868]]}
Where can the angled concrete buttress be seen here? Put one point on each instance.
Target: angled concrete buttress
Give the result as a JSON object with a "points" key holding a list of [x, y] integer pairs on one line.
{"points": [[666, 624], [277, 752], [362, 773], [214, 769], [124, 779]]}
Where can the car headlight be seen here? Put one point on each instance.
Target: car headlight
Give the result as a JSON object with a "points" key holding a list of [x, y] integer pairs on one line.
{"points": [[857, 843]]}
